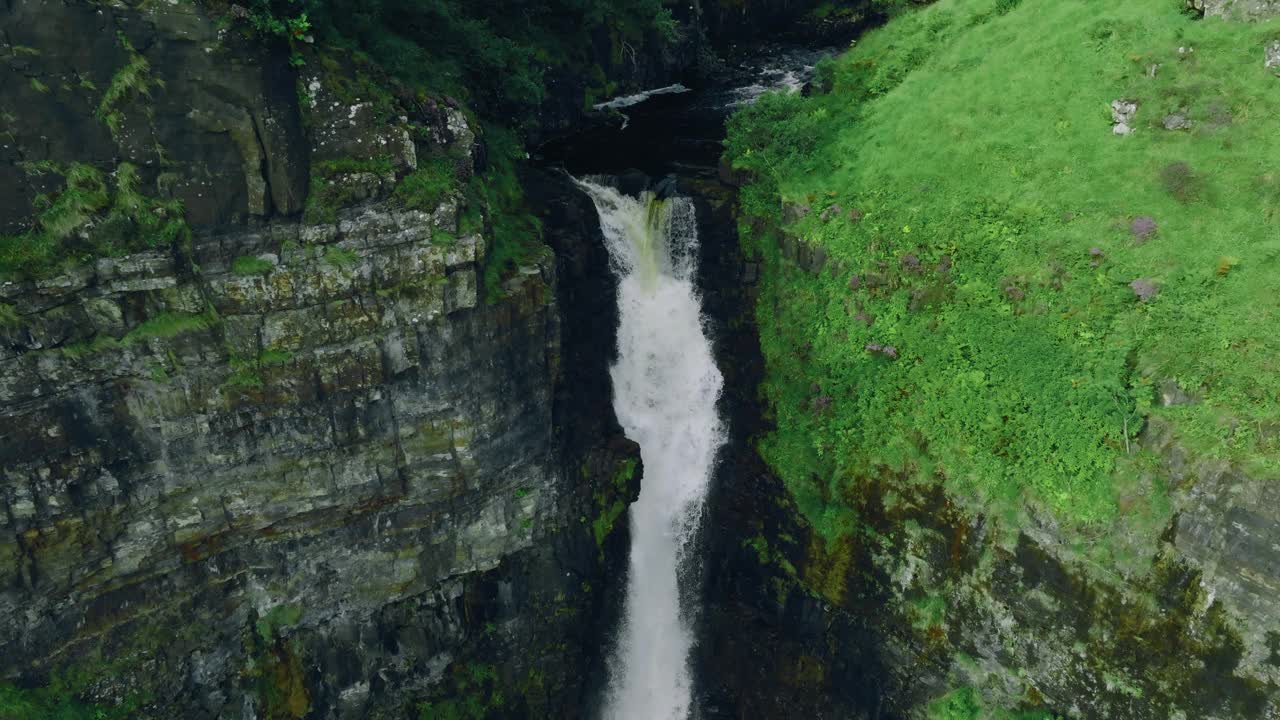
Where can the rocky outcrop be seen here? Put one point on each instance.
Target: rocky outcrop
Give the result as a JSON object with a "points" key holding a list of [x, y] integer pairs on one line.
{"points": [[1236, 9]]}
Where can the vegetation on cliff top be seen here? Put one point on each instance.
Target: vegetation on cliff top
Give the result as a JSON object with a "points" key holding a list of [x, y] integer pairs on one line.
{"points": [[1009, 286]]}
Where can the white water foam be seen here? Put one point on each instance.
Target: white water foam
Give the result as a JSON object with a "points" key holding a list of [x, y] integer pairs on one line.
{"points": [[626, 101], [665, 386]]}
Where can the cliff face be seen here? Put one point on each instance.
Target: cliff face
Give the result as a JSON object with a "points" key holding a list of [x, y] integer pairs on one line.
{"points": [[286, 468], [206, 113], [322, 466]]}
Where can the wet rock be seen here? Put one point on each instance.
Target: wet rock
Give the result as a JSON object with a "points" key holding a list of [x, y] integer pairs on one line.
{"points": [[666, 187], [1176, 121]]}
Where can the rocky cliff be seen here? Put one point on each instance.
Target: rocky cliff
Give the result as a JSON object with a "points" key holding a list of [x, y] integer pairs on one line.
{"points": [[311, 485], [283, 463]]}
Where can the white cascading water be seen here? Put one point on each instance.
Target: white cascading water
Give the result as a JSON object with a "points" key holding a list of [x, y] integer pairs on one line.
{"points": [[665, 387]]}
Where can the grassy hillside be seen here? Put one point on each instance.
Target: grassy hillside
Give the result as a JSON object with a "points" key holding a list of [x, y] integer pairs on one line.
{"points": [[1010, 287]]}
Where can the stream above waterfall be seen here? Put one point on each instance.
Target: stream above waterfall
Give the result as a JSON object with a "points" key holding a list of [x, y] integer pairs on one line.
{"points": [[678, 129]]}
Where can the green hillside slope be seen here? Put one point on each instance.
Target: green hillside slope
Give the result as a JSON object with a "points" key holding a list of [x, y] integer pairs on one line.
{"points": [[1010, 289]]}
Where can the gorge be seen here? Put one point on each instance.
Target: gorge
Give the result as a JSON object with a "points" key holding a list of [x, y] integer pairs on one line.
{"points": [[377, 360]]}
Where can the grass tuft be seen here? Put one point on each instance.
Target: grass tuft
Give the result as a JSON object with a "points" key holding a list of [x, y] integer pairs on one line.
{"points": [[88, 219], [249, 265], [133, 79]]}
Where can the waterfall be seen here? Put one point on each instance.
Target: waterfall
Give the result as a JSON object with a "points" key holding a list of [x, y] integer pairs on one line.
{"points": [[665, 387]]}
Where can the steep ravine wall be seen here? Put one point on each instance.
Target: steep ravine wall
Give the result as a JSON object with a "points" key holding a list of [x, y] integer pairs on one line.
{"points": [[927, 596], [334, 478], [289, 469]]}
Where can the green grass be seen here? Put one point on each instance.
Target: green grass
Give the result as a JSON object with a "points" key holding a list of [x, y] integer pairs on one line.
{"points": [[514, 233], [168, 325], [983, 170], [246, 372], [165, 325], [331, 190], [99, 343], [93, 215], [427, 186], [340, 257], [245, 377], [272, 358], [131, 80], [9, 317], [474, 693], [277, 618], [251, 265]]}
